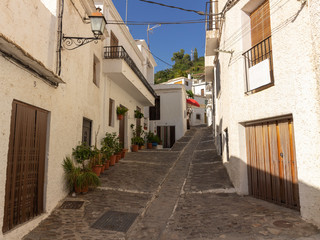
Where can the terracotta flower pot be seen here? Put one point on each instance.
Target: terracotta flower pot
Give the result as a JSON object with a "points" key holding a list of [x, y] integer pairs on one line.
{"points": [[149, 145], [84, 189], [112, 160], [123, 153], [120, 117], [107, 164], [103, 167], [135, 148], [97, 169], [118, 157]]}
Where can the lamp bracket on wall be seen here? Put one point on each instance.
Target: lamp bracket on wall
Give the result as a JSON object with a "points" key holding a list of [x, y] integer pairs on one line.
{"points": [[224, 51], [71, 43]]}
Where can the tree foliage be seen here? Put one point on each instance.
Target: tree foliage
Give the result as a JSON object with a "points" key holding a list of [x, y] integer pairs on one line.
{"points": [[182, 66]]}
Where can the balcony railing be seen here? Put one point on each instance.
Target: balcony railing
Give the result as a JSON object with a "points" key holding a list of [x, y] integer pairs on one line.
{"points": [[213, 19], [259, 53], [118, 52]]}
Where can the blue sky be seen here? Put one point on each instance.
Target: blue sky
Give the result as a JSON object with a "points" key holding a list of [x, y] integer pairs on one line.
{"points": [[167, 39]]}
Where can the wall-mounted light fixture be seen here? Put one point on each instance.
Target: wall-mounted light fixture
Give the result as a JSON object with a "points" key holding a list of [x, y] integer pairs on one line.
{"points": [[98, 23]]}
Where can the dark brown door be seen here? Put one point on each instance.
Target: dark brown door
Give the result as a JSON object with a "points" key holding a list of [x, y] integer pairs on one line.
{"points": [[121, 129], [272, 168], [172, 135], [26, 161], [138, 123]]}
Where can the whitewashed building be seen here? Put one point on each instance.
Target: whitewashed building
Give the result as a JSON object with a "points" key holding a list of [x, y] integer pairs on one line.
{"points": [[203, 94], [168, 118], [263, 59], [54, 98]]}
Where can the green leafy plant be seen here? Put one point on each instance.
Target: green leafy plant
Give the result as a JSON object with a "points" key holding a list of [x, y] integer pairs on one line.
{"points": [[190, 94], [121, 110], [110, 140], [79, 177], [138, 114], [156, 139], [149, 136], [82, 153]]}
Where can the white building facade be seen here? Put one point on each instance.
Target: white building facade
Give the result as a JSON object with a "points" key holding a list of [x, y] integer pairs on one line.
{"points": [[263, 60], [58, 98], [169, 119]]}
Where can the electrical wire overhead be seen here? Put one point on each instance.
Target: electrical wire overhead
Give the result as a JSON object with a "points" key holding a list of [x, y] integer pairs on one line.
{"points": [[157, 23], [183, 9]]}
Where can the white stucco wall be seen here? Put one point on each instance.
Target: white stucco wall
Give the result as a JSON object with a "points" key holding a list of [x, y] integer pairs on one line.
{"points": [[295, 91], [35, 31], [172, 108]]}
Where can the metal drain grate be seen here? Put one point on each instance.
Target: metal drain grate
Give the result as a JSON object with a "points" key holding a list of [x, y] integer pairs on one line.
{"points": [[115, 221], [72, 205]]}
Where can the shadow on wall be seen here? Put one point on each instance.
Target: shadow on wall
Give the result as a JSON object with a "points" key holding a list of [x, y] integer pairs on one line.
{"points": [[277, 186]]}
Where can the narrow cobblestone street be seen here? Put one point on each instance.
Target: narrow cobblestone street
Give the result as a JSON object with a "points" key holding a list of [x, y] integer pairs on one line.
{"points": [[182, 193]]}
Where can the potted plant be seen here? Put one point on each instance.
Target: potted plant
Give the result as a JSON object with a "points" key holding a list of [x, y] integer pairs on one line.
{"points": [[155, 140], [106, 154], [135, 144], [134, 139], [110, 141], [121, 111], [141, 142], [118, 150], [79, 178], [96, 161], [138, 114], [149, 137]]}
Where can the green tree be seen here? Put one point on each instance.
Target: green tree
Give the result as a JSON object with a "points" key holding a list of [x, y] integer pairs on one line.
{"points": [[195, 55]]}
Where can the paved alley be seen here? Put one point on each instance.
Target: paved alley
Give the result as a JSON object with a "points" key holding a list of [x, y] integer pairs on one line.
{"points": [[182, 193]]}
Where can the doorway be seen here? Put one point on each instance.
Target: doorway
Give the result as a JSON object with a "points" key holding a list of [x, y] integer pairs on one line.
{"points": [[272, 167], [26, 165]]}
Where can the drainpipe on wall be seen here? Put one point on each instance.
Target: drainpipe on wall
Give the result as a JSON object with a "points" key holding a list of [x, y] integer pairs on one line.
{"points": [[59, 37]]}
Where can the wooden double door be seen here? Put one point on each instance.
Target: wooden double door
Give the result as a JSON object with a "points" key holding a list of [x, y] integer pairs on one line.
{"points": [[26, 164], [167, 134], [272, 168]]}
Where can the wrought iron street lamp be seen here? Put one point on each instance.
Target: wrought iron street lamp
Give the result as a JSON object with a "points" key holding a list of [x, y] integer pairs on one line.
{"points": [[98, 23]]}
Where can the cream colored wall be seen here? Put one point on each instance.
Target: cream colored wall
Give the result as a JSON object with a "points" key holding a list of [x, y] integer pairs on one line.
{"points": [[294, 92], [67, 104], [19, 21]]}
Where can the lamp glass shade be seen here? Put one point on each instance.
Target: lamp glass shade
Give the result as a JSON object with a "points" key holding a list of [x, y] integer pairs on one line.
{"points": [[97, 24]]}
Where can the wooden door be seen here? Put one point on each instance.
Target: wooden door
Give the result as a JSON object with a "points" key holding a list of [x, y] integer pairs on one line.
{"points": [[138, 123], [122, 129], [272, 169], [26, 164]]}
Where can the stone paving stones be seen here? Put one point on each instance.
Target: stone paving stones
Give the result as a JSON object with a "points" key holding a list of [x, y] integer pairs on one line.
{"points": [[178, 146], [206, 156], [181, 194], [207, 176], [229, 216]]}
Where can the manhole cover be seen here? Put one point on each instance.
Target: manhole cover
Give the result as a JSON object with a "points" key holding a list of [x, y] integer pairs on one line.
{"points": [[72, 205], [283, 224], [115, 221]]}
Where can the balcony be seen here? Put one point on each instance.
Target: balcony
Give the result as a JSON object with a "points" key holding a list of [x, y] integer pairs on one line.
{"points": [[213, 26], [120, 67], [259, 66]]}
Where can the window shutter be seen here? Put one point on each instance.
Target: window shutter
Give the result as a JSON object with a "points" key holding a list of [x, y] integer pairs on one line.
{"points": [[155, 111], [260, 23]]}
